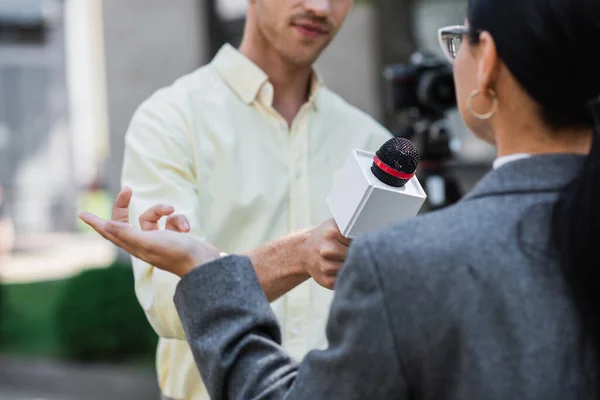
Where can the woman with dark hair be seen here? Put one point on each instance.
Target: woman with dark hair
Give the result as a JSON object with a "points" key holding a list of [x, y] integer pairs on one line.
{"points": [[496, 297]]}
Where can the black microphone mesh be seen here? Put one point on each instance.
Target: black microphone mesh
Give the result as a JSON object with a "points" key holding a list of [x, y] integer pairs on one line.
{"points": [[399, 154]]}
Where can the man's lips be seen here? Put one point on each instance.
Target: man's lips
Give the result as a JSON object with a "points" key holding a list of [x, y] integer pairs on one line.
{"points": [[311, 30]]}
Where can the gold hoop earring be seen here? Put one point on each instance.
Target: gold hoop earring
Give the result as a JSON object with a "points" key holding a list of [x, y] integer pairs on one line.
{"points": [[483, 117]]}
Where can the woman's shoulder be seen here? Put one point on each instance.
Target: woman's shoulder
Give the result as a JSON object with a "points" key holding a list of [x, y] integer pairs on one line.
{"points": [[483, 238], [428, 263], [440, 230], [434, 244]]}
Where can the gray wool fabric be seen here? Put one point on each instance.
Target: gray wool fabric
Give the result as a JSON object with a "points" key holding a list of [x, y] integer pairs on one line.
{"points": [[464, 303]]}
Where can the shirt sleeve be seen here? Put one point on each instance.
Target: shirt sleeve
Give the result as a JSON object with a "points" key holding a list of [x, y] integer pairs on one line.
{"points": [[236, 340], [159, 166]]}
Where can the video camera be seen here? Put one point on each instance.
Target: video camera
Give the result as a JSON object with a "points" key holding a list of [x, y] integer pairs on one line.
{"points": [[419, 95], [425, 84]]}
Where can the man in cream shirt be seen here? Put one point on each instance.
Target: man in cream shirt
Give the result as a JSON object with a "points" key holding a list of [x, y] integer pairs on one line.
{"points": [[247, 148]]}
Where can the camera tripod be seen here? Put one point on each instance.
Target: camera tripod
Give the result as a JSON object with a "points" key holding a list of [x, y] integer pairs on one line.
{"points": [[433, 140]]}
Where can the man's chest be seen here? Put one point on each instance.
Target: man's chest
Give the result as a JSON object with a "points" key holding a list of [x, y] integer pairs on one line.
{"points": [[257, 173]]}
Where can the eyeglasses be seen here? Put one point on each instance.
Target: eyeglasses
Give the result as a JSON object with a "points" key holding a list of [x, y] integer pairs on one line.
{"points": [[451, 38]]}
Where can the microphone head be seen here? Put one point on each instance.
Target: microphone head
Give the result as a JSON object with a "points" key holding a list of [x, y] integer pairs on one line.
{"points": [[395, 162]]}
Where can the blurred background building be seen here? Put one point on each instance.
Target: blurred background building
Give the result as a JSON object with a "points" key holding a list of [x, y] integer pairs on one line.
{"points": [[72, 73]]}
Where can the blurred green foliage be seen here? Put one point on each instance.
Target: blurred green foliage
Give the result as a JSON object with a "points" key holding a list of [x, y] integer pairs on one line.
{"points": [[93, 316], [27, 318], [100, 319]]}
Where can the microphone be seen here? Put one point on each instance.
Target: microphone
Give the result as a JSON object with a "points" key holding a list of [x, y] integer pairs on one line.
{"points": [[373, 191], [395, 162]]}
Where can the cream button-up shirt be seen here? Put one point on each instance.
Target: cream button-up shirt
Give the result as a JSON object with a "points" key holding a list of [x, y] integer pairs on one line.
{"points": [[212, 146]]}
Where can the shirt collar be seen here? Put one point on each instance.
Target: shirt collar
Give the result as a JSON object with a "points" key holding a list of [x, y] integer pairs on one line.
{"points": [[247, 80], [500, 161]]}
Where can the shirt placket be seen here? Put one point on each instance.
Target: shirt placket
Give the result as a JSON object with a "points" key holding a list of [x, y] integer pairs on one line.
{"points": [[298, 300]]}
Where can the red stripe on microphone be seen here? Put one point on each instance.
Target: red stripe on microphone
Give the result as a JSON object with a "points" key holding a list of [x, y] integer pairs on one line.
{"points": [[389, 170]]}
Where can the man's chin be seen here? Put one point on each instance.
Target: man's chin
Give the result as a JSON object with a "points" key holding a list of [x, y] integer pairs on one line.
{"points": [[303, 59]]}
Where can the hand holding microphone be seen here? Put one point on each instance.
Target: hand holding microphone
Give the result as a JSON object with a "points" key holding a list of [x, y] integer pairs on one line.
{"points": [[325, 249], [384, 189]]}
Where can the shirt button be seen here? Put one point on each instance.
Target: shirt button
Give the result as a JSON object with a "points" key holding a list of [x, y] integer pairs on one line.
{"points": [[295, 330], [282, 126]]}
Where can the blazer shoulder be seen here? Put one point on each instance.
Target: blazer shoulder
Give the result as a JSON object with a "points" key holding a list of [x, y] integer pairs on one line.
{"points": [[430, 245], [440, 251], [423, 265]]}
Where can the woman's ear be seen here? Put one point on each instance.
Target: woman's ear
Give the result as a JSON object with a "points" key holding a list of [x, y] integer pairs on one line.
{"points": [[488, 62]]}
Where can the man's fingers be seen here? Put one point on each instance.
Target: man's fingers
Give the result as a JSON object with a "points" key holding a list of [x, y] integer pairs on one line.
{"points": [[345, 241], [331, 268], [342, 239], [120, 234], [124, 197], [94, 221], [120, 210], [328, 282], [99, 225], [334, 232], [128, 238], [333, 251], [178, 223], [149, 218]]}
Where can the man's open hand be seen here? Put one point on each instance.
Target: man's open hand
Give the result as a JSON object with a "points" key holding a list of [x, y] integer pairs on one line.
{"points": [[149, 218], [169, 249]]}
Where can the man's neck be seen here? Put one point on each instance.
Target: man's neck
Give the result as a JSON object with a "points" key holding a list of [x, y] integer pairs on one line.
{"points": [[291, 84]]}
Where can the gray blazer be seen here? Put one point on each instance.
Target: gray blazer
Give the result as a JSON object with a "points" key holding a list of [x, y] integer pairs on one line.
{"points": [[465, 303]]}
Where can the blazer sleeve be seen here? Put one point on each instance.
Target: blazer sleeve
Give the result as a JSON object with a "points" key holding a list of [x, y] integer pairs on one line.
{"points": [[236, 340]]}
